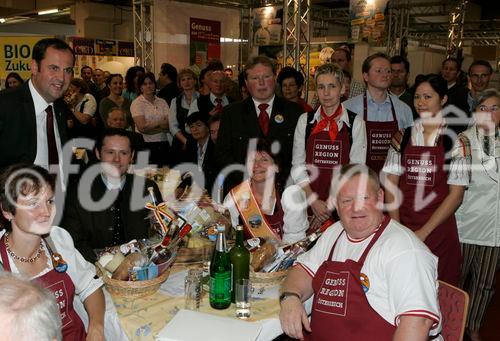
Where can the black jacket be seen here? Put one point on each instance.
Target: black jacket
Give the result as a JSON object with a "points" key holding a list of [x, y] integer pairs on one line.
{"points": [[18, 125], [209, 167], [239, 124], [94, 229]]}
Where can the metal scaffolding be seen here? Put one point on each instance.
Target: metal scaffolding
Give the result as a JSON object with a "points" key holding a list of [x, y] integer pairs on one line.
{"points": [[144, 34], [456, 29], [297, 35], [398, 24]]}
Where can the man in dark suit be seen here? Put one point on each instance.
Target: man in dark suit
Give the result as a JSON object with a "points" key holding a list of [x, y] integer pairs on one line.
{"points": [[262, 115], [168, 83], [32, 116], [200, 150], [110, 209]]}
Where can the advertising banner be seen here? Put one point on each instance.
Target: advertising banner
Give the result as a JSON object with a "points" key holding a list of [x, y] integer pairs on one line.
{"points": [[125, 49], [105, 47], [16, 55], [83, 46], [367, 21], [204, 43], [267, 26]]}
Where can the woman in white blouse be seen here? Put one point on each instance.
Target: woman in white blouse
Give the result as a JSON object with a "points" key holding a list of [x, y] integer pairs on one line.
{"points": [[150, 114], [478, 218], [179, 108], [432, 187], [30, 245]]}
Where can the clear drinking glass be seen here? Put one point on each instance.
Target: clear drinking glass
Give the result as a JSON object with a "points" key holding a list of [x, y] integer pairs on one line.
{"points": [[192, 289], [243, 297]]}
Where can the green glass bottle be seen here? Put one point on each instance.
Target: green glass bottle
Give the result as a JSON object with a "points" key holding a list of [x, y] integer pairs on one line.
{"points": [[240, 259], [220, 273]]}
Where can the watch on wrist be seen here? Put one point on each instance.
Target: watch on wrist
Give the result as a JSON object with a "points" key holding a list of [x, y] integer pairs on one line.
{"points": [[287, 294]]}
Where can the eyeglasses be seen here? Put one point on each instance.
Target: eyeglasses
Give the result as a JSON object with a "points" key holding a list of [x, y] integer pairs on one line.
{"points": [[485, 108]]}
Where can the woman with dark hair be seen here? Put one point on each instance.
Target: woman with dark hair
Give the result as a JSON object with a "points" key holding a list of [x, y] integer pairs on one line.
{"points": [[432, 186], [150, 114], [179, 111], [32, 246], [12, 80], [115, 99], [291, 82], [478, 218], [82, 121], [131, 77], [256, 202]]}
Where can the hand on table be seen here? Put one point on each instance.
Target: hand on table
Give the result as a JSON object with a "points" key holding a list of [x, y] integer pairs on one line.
{"points": [[292, 317]]}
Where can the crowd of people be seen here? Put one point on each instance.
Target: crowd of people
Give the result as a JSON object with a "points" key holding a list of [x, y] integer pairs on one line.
{"points": [[407, 177]]}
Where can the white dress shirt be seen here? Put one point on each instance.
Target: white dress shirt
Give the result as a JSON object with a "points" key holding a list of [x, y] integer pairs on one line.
{"points": [[42, 149], [269, 108]]}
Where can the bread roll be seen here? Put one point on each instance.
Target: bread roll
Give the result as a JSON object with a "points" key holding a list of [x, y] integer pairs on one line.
{"points": [[133, 259]]}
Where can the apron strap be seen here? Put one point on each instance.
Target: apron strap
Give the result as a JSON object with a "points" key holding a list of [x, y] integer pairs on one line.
{"points": [[381, 229], [392, 109], [365, 108], [3, 255], [335, 244], [378, 233]]}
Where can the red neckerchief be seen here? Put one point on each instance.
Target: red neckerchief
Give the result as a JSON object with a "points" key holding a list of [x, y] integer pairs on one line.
{"points": [[328, 120]]}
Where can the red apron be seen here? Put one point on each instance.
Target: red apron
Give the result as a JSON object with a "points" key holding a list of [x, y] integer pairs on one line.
{"points": [[340, 309], [424, 172], [64, 291], [378, 137], [325, 155]]}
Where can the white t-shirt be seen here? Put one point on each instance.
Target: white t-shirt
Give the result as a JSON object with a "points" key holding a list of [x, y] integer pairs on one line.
{"points": [[401, 270], [153, 114], [89, 105]]}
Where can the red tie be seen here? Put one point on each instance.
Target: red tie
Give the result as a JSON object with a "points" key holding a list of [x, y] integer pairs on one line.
{"points": [[264, 118], [51, 137], [328, 120], [218, 106]]}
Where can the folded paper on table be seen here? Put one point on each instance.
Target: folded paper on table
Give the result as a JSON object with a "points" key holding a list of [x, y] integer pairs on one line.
{"points": [[208, 328]]}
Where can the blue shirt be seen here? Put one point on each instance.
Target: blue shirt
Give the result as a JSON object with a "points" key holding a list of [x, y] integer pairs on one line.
{"points": [[382, 112]]}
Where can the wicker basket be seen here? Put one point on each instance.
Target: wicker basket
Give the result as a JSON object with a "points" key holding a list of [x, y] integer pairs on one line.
{"points": [[267, 279], [133, 289]]}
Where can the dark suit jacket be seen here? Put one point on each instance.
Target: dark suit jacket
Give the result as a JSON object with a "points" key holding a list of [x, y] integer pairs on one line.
{"points": [[457, 95], [239, 124], [169, 92], [94, 230], [18, 125], [209, 166]]}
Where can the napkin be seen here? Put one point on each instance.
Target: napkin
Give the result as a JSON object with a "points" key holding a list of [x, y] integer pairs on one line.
{"points": [[190, 325]]}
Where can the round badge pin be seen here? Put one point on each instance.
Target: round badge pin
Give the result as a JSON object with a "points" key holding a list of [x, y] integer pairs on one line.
{"points": [[279, 118], [59, 264], [255, 221], [365, 282]]}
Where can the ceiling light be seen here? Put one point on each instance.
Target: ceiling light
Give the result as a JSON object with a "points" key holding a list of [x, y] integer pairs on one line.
{"points": [[49, 11]]}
